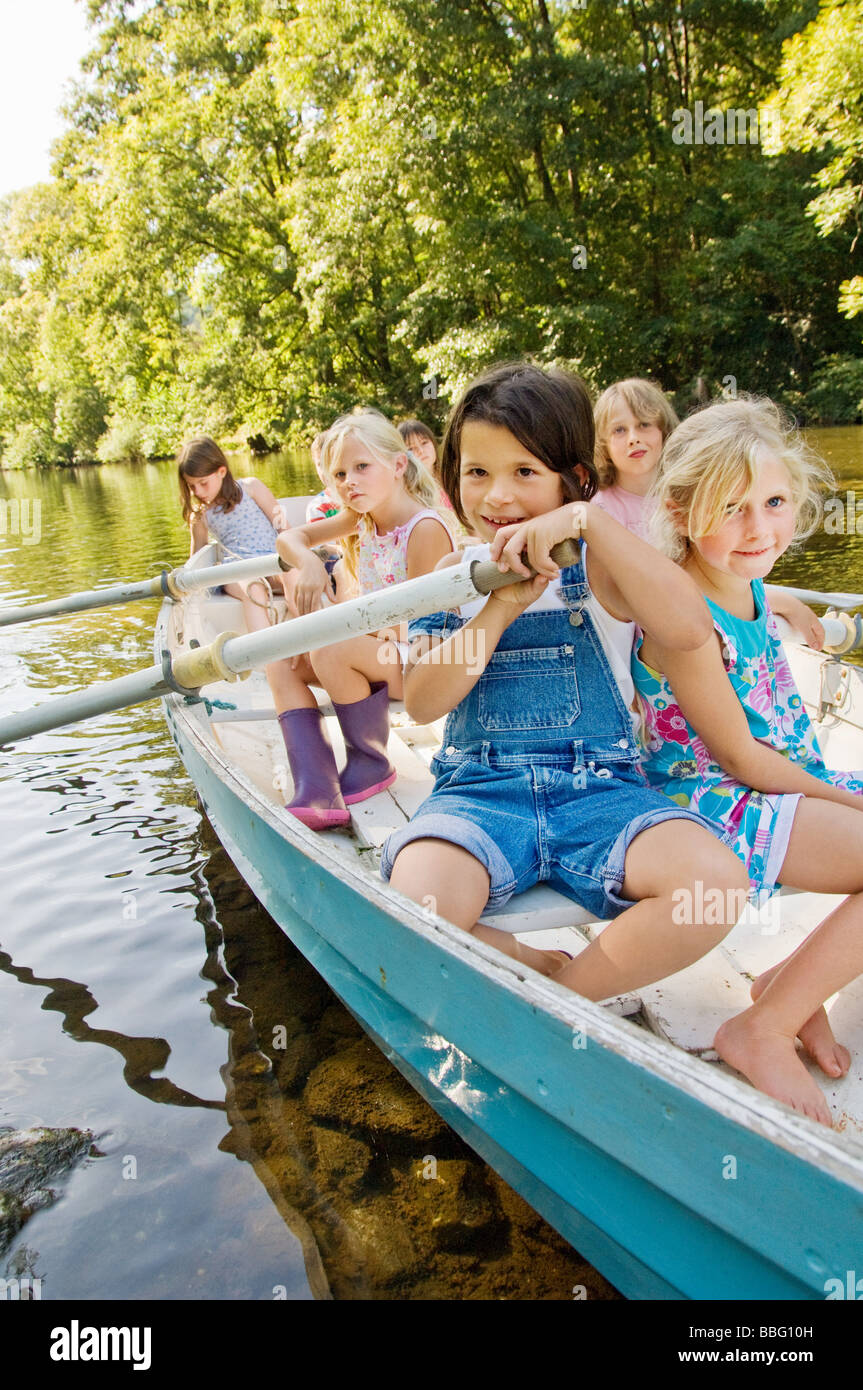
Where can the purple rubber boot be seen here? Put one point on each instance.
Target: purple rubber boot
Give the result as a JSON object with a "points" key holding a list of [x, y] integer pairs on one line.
{"points": [[318, 801], [366, 727]]}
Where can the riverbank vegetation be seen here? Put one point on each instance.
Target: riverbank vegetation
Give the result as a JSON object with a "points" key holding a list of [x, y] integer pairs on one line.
{"points": [[266, 211]]}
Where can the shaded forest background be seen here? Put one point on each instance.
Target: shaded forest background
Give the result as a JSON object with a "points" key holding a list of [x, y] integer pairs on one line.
{"points": [[266, 211]]}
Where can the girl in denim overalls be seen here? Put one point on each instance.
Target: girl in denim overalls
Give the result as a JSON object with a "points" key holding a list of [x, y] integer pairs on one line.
{"points": [[539, 778]]}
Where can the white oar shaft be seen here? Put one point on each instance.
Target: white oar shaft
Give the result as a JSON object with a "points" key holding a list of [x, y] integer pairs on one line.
{"points": [[190, 581], [178, 581], [834, 632], [135, 689], [79, 603], [443, 589], [440, 590]]}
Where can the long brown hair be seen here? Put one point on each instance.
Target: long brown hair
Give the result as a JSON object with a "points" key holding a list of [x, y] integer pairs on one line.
{"points": [[198, 458]]}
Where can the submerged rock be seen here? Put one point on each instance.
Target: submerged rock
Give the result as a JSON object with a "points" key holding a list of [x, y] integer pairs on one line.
{"points": [[31, 1161], [345, 1160], [459, 1203], [358, 1086]]}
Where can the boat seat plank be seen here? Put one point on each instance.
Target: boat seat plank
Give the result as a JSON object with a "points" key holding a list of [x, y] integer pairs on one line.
{"points": [[753, 946], [845, 1097]]}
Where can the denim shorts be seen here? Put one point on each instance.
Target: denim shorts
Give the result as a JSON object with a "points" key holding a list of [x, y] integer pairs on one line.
{"points": [[539, 822]]}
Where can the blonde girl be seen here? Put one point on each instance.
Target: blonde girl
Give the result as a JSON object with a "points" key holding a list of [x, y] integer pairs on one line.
{"points": [[390, 530], [633, 420], [728, 736]]}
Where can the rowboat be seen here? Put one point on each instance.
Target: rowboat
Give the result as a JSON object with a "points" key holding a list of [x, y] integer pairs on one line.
{"points": [[616, 1122]]}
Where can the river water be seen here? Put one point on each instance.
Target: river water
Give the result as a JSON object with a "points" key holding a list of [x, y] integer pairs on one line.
{"points": [[137, 975]]}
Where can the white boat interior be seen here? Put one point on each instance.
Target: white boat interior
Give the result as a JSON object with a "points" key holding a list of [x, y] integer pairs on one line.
{"points": [[685, 1009]]}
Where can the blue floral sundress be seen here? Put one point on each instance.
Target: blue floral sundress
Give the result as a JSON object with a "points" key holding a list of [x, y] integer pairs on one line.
{"points": [[756, 824]]}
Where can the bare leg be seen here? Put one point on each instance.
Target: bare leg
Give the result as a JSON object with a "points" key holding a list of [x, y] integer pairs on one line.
{"points": [[816, 1034], [348, 669], [288, 680], [449, 881], [649, 941], [825, 854]]}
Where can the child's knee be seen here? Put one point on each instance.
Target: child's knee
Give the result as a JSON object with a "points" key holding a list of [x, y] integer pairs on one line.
{"points": [[324, 660], [729, 873]]}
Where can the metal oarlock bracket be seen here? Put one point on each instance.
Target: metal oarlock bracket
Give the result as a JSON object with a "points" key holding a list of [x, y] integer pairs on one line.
{"points": [[835, 688], [169, 586], [169, 678]]}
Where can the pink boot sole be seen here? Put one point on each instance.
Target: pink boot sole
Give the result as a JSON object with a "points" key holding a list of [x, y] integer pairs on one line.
{"points": [[316, 819], [371, 791]]}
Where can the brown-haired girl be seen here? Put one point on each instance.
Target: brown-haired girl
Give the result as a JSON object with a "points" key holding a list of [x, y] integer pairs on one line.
{"points": [[538, 777], [240, 515]]}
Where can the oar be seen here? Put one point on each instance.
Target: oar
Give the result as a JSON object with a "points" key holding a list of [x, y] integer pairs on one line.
{"points": [[831, 600], [230, 656], [168, 584]]}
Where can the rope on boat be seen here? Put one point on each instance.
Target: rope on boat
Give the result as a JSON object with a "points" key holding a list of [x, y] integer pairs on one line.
{"points": [[269, 603], [209, 705]]}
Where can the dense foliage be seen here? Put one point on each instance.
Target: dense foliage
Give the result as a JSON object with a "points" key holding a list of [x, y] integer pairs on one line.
{"points": [[265, 211]]}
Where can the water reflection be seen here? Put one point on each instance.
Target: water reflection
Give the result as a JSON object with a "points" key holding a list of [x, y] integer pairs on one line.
{"points": [[141, 1056]]}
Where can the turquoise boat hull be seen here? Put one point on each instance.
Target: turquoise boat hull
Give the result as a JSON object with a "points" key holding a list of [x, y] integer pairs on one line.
{"points": [[671, 1178]]}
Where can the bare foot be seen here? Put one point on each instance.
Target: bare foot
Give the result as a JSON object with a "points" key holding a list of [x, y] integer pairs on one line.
{"points": [[770, 1061], [816, 1034]]}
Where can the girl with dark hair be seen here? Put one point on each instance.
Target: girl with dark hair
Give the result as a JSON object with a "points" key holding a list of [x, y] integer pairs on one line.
{"points": [[539, 777], [240, 515], [421, 442]]}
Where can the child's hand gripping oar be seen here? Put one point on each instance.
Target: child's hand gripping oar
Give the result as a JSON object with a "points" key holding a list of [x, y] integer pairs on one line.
{"points": [[230, 656]]}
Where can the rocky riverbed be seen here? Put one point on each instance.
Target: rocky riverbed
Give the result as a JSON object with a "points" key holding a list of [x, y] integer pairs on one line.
{"points": [[389, 1202]]}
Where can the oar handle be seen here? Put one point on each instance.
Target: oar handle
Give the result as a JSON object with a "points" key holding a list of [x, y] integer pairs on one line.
{"points": [[487, 577]]}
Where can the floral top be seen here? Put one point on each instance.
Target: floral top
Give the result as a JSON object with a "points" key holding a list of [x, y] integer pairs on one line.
{"points": [[246, 530], [384, 559], [679, 764]]}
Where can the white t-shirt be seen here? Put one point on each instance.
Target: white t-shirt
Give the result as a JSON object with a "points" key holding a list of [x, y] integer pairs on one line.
{"points": [[616, 637]]}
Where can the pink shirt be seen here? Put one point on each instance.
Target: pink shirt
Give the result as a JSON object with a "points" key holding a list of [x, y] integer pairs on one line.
{"points": [[631, 510]]}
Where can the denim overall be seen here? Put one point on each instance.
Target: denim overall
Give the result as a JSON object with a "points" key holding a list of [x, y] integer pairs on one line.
{"points": [[539, 777]]}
